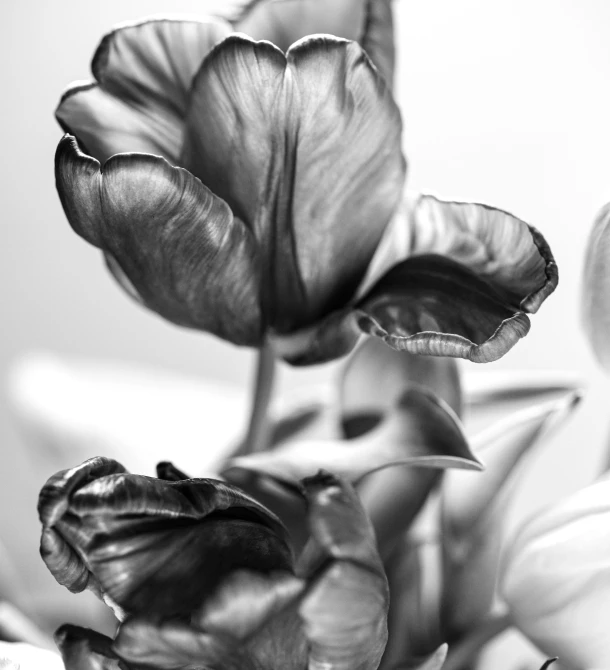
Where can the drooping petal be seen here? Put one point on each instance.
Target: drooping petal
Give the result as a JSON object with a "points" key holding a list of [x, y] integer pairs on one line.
{"points": [[474, 509], [497, 246], [186, 255], [84, 649], [345, 610], [435, 661], [264, 127], [366, 21], [143, 73], [150, 545], [555, 578], [421, 431], [596, 288], [434, 306]]}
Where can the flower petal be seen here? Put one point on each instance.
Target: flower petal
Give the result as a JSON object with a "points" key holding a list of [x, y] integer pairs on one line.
{"points": [[178, 244], [434, 306], [144, 72], [245, 624], [473, 509], [346, 608], [596, 288], [366, 21], [153, 545], [497, 246], [421, 431], [320, 110], [555, 578], [84, 649]]}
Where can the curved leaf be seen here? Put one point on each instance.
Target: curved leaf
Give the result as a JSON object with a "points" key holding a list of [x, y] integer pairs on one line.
{"points": [[422, 431], [473, 509]]}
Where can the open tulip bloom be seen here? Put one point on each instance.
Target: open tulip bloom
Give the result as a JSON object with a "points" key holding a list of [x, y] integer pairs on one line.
{"points": [[254, 190]]}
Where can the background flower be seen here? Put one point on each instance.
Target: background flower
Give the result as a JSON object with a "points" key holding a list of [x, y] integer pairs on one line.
{"points": [[556, 578]]}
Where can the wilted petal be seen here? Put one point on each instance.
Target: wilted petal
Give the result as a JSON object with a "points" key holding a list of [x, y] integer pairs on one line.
{"points": [[473, 509], [263, 127], [421, 431], [84, 649], [20, 656], [150, 545], [144, 72], [596, 288], [366, 21], [186, 255], [346, 608], [555, 578]]}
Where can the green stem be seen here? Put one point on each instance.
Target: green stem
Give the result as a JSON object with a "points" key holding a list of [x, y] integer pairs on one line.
{"points": [[257, 437], [462, 653]]}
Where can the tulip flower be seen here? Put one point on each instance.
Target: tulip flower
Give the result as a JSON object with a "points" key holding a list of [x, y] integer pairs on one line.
{"points": [[556, 578], [256, 194], [200, 574]]}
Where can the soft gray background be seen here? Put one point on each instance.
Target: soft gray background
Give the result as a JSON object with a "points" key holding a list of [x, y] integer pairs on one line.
{"points": [[505, 103]]}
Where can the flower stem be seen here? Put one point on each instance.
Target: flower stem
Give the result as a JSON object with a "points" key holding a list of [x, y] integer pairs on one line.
{"points": [[462, 653], [257, 437]]}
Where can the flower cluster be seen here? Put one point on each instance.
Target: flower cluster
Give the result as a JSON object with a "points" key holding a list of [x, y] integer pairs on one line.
{"points": [[244, 176]]}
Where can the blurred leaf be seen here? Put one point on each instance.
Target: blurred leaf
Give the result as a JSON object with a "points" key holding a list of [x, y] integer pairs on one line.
{"points": [[414, 576], [421, 431], [434, 662], [474, 508], [488, 388], [596, 288]]}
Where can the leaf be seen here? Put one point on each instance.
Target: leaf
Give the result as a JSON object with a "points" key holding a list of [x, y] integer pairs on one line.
{"points": [[473, 509], [422, 431]]}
